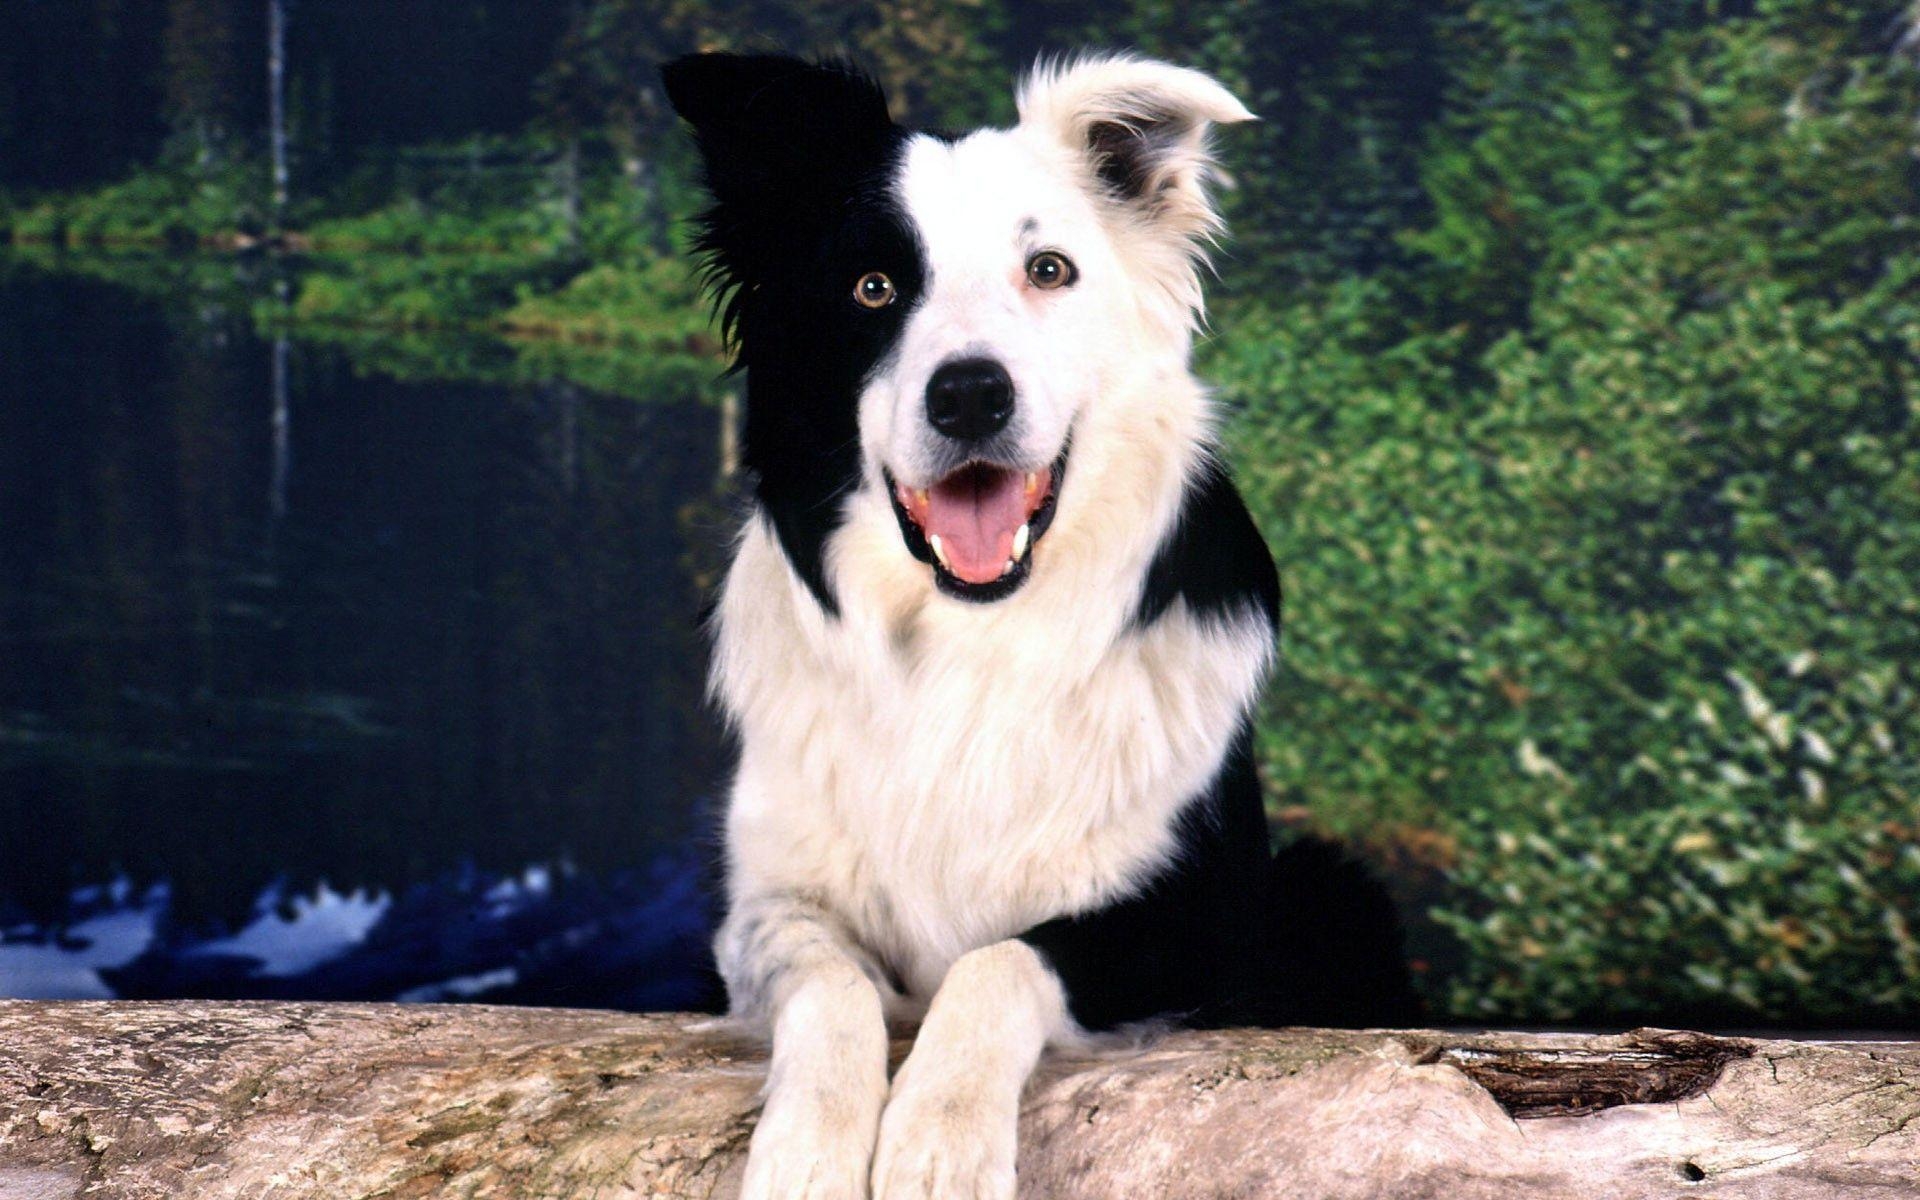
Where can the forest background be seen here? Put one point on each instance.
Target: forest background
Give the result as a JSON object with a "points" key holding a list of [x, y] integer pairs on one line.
{"points": [[1568, 347]]}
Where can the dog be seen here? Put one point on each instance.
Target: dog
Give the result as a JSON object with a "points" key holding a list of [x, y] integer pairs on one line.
{"points": [[994, 630]]}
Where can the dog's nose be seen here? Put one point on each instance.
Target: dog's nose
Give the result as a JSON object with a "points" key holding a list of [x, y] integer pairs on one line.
{"points": [[970, 399]]}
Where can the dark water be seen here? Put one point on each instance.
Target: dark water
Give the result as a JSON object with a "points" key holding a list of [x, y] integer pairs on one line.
{"points": [[315, 682]]}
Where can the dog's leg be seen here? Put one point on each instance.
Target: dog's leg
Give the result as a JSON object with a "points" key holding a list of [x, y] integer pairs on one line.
{"points": [[949, 1128], [785, 964]]}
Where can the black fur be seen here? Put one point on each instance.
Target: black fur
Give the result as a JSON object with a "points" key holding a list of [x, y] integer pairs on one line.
{"points": [[1214, 559], [1187, 943], [1336, 950], [1228, 935], [799, 159]]}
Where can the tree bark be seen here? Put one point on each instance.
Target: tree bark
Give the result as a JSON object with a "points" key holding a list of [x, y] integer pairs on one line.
{"points": [[216, 1100]]}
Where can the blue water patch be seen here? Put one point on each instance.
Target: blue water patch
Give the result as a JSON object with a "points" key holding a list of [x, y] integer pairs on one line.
{"points": [[547, 935]]}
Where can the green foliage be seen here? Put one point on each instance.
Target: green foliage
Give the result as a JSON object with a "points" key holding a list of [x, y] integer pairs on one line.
{"points": [[171, 207], [1714, 625], [646, 369], [1613, 583], [1543, 147], [657, 305], [1571, 119], [409, 291], [1729, 911], [513, 235], [413, 226]]}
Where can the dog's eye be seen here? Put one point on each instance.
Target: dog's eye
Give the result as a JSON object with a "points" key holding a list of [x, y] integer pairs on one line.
{"points": [[1050, 269], [874, 290]]}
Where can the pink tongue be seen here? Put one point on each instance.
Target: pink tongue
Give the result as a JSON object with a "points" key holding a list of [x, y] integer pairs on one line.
{"points": [[975, 514]]}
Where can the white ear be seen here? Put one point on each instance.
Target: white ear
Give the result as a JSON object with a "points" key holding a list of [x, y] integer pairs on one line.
{"points": [[1140, 127]]}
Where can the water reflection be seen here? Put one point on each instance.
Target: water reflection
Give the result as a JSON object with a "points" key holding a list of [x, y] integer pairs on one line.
{"points": [[269, 620]]}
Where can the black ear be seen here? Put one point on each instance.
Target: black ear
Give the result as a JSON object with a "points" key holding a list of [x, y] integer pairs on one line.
{"points": [[762, 118], [716, 91], [783, 141]]}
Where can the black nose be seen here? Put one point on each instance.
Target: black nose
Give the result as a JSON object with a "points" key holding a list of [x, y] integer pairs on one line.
{"points": [[970, 399]]}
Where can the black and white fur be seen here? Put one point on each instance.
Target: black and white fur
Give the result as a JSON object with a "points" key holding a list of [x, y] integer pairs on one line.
{"points": [[1015, 810]]}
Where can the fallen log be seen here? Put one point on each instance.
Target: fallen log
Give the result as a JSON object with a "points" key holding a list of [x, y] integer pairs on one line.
{"points": [[217, 1100]]}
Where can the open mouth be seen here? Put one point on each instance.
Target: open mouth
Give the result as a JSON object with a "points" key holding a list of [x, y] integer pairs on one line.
{"points": [[978, 526]]}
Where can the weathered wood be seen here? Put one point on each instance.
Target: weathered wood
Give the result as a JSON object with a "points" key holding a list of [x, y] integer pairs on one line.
{"points": [[341, 1100]]}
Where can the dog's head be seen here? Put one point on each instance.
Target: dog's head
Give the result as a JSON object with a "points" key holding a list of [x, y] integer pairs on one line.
{"points": [[942, 317]]}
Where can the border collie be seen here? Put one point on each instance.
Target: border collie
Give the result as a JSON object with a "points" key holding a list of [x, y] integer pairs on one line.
{"points": [[993, 633]]}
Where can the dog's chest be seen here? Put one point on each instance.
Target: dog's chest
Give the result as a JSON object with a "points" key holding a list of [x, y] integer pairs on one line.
{"points": [[949, 783]]}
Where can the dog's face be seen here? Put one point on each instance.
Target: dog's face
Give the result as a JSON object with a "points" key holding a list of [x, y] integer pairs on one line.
{"points": [[942, 318]]}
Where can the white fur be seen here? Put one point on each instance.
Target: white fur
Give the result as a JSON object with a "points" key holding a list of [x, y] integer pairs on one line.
{"points": [[982, 208], [825, 1086], [941, 776], [985, 205], [1063, 101], [954, 1109], [921, 778]]}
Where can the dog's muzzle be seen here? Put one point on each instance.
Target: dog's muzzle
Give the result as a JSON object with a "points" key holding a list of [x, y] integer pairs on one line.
{"points": [[978, 525]]}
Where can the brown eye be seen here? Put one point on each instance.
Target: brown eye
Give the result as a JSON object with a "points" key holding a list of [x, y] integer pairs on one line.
{"points": [[1050, 269], [874, 290]]}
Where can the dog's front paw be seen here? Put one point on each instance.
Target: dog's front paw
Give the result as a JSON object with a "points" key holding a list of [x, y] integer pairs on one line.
{"points": [[945, 1140], [806, 1150]]}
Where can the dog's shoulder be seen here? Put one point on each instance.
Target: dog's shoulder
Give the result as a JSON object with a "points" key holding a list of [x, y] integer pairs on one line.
{"points": [[1213, 558]]}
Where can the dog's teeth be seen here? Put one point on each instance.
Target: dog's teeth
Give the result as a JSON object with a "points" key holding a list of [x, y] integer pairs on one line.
{"points": [[1007, 569], [921, 497], [1033, 482], [1020, 540], [939, 551]]}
